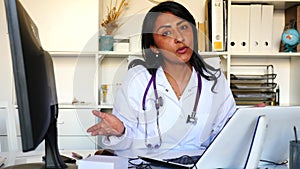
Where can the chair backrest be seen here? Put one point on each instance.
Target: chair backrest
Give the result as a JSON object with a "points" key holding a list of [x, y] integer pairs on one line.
{"points": [[134, 62]]}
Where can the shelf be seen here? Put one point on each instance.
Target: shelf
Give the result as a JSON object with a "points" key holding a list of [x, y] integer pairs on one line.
{"points": [[280, 55], [77, 106], [83, 106], [278, 4], [212, 54], [119, 53], [139, 54], [71, 53], [105, 106], [3, 105]]}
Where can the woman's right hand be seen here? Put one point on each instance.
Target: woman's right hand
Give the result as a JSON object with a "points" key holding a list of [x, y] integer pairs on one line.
{"points": [[109, 125]]}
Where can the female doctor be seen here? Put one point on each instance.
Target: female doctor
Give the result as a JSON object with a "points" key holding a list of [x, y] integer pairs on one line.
{"points": [[173, 101]]}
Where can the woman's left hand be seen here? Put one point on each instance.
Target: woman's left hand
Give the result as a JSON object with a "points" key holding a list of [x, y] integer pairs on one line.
{"points": [[109, 125]]}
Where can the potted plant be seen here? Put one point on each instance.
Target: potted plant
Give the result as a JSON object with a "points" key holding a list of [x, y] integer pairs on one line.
{"points": [[111, 24]]}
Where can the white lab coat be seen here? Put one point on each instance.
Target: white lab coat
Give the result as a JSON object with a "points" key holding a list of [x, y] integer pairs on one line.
{"points": [[213, 111]]}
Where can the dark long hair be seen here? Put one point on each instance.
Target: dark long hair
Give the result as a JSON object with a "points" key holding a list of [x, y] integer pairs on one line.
{"points": [[152, 61]]}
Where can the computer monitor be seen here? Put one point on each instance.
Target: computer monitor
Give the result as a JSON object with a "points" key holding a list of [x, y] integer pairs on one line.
{"points": [[35, 87]]}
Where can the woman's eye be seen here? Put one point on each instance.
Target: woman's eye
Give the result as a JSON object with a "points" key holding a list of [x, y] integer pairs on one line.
{"points": [[183, 27], [166, 33]]}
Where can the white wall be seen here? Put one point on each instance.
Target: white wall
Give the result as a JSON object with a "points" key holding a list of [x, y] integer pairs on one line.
{"points": [[5, 60], [65, 25], [134, 14]]}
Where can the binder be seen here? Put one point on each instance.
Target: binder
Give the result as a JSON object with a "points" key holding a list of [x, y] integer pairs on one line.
{"points": [[225, 24], [267, 27], [201, 37], [255, 28], [239, 28], [207, 26], [216, 20]]}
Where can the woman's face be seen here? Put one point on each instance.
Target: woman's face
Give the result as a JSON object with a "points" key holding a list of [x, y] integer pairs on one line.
{"points": [[173, 37]]}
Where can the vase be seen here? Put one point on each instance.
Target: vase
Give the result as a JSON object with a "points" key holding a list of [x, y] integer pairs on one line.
{"points": [[106, 43]]}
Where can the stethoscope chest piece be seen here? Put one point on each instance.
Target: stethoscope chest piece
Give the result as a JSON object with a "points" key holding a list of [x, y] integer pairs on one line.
{"points": [[192, 118]]}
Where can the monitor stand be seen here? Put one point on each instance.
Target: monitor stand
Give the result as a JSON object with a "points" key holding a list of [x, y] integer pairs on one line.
{"points": [[36, 166]]}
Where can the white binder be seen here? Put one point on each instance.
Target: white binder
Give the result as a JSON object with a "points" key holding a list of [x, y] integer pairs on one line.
{"points": [[217, 25], [239, 28], [267, 27], [255, 28]]}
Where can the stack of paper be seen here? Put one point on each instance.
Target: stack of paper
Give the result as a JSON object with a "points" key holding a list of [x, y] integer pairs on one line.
{"points": [[101, 161]]}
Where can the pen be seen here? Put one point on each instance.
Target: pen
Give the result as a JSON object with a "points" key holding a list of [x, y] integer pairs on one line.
{"points": [[77, 156]]}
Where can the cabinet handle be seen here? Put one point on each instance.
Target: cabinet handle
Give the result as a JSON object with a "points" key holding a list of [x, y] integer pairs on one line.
{"points": [[61, 122]]}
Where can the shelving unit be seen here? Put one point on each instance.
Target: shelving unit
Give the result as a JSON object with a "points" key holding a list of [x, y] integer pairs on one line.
{"points": [[285, 64]]}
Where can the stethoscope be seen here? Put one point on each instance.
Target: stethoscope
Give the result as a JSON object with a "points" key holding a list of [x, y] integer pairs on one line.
{"points": [[192, 119]]}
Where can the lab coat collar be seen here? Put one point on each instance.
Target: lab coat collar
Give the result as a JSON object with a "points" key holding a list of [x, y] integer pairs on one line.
{"points": [[162, 80]]}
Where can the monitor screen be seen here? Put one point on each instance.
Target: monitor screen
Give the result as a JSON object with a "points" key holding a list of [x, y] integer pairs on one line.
{"points": [[35, 85]]}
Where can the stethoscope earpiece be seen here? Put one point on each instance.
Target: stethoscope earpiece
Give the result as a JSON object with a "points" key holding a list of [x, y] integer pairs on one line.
{"points": [[151, 147]]}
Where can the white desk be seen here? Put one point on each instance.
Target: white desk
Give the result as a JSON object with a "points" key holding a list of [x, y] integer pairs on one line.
{"points": [[14, 158]]}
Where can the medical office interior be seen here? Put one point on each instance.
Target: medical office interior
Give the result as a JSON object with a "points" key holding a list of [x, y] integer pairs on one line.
{"points": [[88, 76]]}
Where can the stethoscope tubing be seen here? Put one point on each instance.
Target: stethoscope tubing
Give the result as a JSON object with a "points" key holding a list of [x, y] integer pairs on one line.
{"points": [[191, 118]]}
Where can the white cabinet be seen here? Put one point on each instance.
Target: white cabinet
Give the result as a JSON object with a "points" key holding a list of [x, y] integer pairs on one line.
{"points": [[72, 124], [285, 64]]}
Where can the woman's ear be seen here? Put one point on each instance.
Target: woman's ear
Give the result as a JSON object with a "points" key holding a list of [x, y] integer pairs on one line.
{"points": [[154, 49]]}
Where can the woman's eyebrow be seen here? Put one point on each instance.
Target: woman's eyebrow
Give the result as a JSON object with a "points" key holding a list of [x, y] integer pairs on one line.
{"points": [[180, 22], [169, 26], [163, 26]]}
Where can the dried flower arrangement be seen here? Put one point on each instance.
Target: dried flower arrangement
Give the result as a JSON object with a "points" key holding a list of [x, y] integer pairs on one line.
{"points": [[113, 13]]}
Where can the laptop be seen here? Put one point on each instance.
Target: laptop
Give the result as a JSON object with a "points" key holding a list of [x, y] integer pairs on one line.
{"points": [[251, 138]]}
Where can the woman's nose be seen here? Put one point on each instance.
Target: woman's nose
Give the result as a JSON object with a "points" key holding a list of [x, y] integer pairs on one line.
{"points": [[178, 37]]}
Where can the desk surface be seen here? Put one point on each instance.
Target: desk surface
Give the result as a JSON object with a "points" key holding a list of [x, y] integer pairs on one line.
{"points": [[14, 158]]}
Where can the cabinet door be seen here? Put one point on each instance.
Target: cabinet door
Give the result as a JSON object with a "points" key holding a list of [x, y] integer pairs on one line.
{"points": [[72, 126], [3, 117], [3, 132], [76, 143], [3, 143], [74, 122]]}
